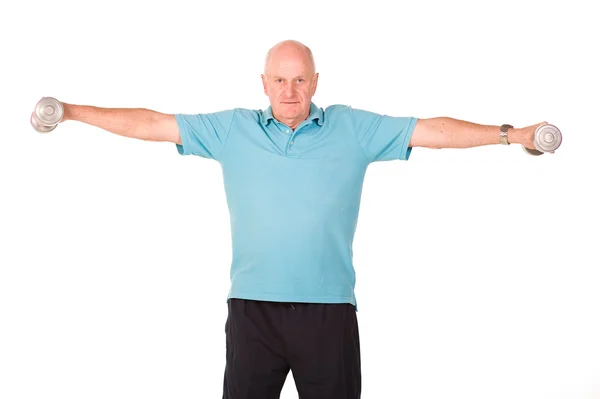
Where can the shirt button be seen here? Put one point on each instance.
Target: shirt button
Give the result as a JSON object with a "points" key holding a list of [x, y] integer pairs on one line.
{"points": [[291, 143], [287, 131]]}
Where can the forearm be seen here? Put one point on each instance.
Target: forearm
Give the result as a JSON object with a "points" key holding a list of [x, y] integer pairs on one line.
{"points": [[447, 132], [139, 123]]}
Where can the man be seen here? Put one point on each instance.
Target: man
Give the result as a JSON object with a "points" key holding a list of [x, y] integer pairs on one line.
{"points": [[293, 176]]}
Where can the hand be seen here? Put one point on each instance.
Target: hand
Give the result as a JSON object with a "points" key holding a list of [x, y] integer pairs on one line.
{"points": [[524, 136], [65, 110]]}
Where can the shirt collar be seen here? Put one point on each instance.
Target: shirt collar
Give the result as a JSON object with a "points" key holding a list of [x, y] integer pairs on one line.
{"points": [[315, 113]]}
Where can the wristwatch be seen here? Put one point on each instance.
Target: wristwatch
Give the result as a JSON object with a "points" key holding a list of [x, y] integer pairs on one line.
{"points": [[504, 134]]}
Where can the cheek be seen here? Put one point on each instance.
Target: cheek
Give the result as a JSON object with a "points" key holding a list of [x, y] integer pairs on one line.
{"points": [[274, 92], [305, 91]]}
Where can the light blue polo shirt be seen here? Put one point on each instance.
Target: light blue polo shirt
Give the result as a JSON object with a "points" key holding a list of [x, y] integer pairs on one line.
{"points": [[294, 196]]}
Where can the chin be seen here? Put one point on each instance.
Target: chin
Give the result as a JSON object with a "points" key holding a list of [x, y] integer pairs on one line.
{"points": [[290, 111]]}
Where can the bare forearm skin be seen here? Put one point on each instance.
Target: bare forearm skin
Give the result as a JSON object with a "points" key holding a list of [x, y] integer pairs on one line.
{"points": [[138, 123], [444, 132]]}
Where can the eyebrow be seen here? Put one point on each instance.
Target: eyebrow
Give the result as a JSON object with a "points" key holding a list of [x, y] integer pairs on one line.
{"points": [[281, 77]]}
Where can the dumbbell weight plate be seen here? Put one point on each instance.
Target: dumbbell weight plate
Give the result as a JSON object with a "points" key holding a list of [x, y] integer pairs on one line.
{"points": [[41, 128], [547, 138], [48, 111], [532, 151]]}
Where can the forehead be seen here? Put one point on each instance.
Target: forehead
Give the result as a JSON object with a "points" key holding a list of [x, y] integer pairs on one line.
{"points": [[290, 62]]}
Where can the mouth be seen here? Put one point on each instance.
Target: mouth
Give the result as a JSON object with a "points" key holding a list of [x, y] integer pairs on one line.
{"points": [[290, 102]]}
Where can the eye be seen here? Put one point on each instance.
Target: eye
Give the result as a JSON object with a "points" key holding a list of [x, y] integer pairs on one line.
{"points": [[278, 80], [301, 80]]}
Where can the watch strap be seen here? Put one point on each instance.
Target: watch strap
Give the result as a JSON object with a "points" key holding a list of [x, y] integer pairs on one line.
{"points": [[504, 134]]}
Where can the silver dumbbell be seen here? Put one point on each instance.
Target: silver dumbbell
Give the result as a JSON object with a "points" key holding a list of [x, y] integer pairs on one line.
{"points": [[546, 138], [47, 114]]}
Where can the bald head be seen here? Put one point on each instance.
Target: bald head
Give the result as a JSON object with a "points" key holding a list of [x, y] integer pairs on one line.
{"points": [[289, 49]]}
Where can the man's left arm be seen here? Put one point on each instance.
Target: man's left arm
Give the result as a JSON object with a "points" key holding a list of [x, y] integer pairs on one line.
{"points": [[446, 132]]}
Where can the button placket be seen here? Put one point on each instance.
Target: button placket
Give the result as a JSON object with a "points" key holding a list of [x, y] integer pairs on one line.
{"points": [[283, 128], [290, 146], [293, 137]]}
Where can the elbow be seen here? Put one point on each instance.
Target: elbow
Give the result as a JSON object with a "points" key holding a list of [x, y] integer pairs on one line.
{"points": [[159, 127], [431, 133]]}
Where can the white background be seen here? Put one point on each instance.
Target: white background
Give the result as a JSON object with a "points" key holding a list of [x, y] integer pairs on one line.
{"points": [[478, 269]]}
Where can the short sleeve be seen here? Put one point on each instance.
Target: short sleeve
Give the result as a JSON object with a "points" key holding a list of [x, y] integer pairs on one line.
{"points": [[204, 134], [383, 137]]}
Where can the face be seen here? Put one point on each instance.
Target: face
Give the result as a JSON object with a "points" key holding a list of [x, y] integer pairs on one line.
{"points": [[290, 84]]}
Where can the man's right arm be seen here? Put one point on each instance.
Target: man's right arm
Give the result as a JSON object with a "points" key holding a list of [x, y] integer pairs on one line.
{"points": [[138, 123]]}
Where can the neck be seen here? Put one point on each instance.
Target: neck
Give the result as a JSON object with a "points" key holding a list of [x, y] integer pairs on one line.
{"points": [[294, 122]]}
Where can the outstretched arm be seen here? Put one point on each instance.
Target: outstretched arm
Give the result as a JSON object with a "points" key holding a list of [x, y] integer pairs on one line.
{"points": [[454, 133], [139, 123]]}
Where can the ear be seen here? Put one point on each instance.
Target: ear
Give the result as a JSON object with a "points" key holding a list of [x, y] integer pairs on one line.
{"points": [[264, 82], [315, 81]]}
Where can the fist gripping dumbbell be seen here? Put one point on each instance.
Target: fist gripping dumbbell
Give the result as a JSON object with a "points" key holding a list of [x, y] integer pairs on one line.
{"points": [[47, 114], [546, 138]]}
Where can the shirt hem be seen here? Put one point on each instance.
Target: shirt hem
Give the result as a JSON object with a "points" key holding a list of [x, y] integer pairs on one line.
{"points": [[290, 298]]}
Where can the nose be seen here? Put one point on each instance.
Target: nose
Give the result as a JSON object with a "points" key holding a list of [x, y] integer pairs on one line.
{"points": [[289, 90]]}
